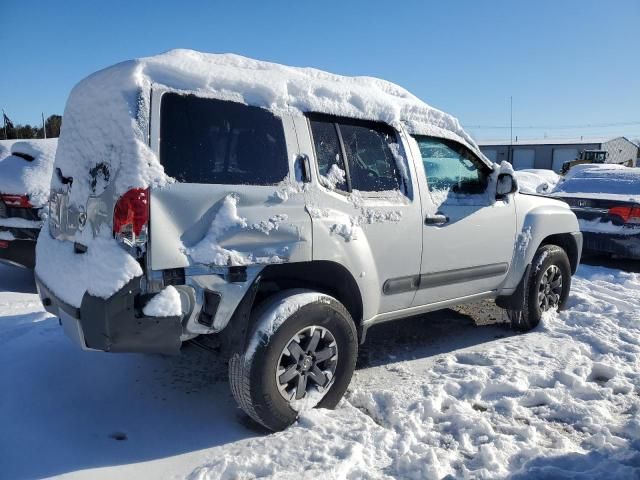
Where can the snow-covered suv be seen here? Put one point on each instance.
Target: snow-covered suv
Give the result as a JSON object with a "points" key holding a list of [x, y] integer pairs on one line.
{"points": [[286, 210]]}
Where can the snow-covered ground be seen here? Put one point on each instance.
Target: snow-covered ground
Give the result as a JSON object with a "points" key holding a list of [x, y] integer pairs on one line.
{"points": [[433, 396]]}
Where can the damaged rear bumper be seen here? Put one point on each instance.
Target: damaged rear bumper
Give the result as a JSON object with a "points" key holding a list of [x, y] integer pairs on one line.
{"points": [[114, 324]]}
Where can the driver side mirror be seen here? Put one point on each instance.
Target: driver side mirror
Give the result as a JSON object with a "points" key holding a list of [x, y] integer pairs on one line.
{"points": [[506, 184]]}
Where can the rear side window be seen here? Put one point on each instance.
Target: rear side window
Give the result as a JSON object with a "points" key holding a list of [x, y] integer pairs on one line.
{"points": [[368, 148], [372, 167], [329, 153], [213, 141]]}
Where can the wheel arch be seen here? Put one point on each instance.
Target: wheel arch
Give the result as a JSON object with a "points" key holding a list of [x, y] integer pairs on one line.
{"points": [[323, 276], [569, 243]]}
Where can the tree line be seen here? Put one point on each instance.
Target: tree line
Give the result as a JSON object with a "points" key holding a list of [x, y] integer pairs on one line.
{"points": [[10, 131]]}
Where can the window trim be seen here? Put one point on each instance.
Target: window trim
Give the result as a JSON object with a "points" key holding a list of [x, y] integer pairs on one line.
{"points": [[448, 142], [335, 121]]}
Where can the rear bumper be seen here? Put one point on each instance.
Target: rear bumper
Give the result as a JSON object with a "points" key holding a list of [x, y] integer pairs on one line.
{"points": [[627, 246], [114, 324], [18, 252]]}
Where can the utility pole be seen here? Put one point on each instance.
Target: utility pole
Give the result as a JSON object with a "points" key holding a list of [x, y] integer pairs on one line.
{"points": [[44, 130], [511, 129]]}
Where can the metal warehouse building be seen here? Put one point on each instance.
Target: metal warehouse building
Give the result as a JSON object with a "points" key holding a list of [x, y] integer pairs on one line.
{"points": [[552, 153]]}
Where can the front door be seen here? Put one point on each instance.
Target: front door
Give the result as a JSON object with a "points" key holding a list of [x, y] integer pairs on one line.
{"points": [[468, 236]]}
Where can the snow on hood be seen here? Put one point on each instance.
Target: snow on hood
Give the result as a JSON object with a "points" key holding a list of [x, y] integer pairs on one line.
{"points": [[106, 116], [19, 176]]}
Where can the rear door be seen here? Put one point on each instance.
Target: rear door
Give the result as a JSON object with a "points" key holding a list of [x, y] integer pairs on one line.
{"points": [[235, 198], [366, 209], [468, 236]]}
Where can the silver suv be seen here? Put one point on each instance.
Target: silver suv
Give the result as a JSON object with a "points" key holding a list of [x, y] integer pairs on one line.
{"points": [[286, 217]]}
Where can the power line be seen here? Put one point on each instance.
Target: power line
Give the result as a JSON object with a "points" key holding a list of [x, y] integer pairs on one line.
{"points": [[557, 127]]}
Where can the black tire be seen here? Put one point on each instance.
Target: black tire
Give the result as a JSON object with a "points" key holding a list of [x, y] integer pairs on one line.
{"points": [[547, 257], [253, 374]]}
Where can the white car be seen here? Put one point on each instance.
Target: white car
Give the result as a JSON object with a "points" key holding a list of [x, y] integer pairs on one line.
{"points": [[25, 176], [286, 210]]}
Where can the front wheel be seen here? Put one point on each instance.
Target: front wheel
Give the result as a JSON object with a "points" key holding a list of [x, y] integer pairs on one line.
{"points": [[547, 287], [301, 354]]}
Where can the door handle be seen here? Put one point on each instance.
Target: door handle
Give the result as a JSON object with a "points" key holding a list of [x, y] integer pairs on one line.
{"points": [[437, 219]]}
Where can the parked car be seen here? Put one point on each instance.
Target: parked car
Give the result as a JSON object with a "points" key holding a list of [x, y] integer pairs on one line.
{"points": [[536, 180], [285, 210], [606, 200], [25, 175]]}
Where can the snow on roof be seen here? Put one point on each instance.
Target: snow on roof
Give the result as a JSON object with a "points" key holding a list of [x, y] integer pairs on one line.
{"points": [[5, 148], [19, 176], [548, 141], [105, 118]]}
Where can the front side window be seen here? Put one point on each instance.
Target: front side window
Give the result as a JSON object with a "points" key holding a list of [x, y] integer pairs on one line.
{"points": [[451, 167], [371, 164], [205, 140]]}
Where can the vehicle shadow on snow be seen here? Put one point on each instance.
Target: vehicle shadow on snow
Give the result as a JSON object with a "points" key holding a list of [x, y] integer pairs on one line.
{"points": [[64, 410], [432, 334], [16, 279]]}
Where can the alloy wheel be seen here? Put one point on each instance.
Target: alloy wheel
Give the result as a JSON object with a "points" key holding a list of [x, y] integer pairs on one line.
{"points": [[550, 288], [307, 362]]}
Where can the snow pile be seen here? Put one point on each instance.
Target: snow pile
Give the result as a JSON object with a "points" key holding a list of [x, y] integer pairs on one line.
{"points": [[561, 401], [19, 176], [103, 270], [5, 148], [536, 180], [164, 304]]}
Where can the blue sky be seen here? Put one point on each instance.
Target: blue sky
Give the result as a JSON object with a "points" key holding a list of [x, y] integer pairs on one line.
{"points": [[566, 63]]}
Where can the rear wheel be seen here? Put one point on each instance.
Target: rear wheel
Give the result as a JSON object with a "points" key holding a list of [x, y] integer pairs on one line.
{"points": [[547, 287], [301, 354]]}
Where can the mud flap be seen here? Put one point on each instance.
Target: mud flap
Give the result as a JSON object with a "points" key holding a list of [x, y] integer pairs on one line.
{"points": [[516, 300]]}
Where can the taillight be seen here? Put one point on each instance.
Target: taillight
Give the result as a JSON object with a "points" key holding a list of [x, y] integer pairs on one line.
{"points": [[629, 214], [131, 217], [17, 201]]}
